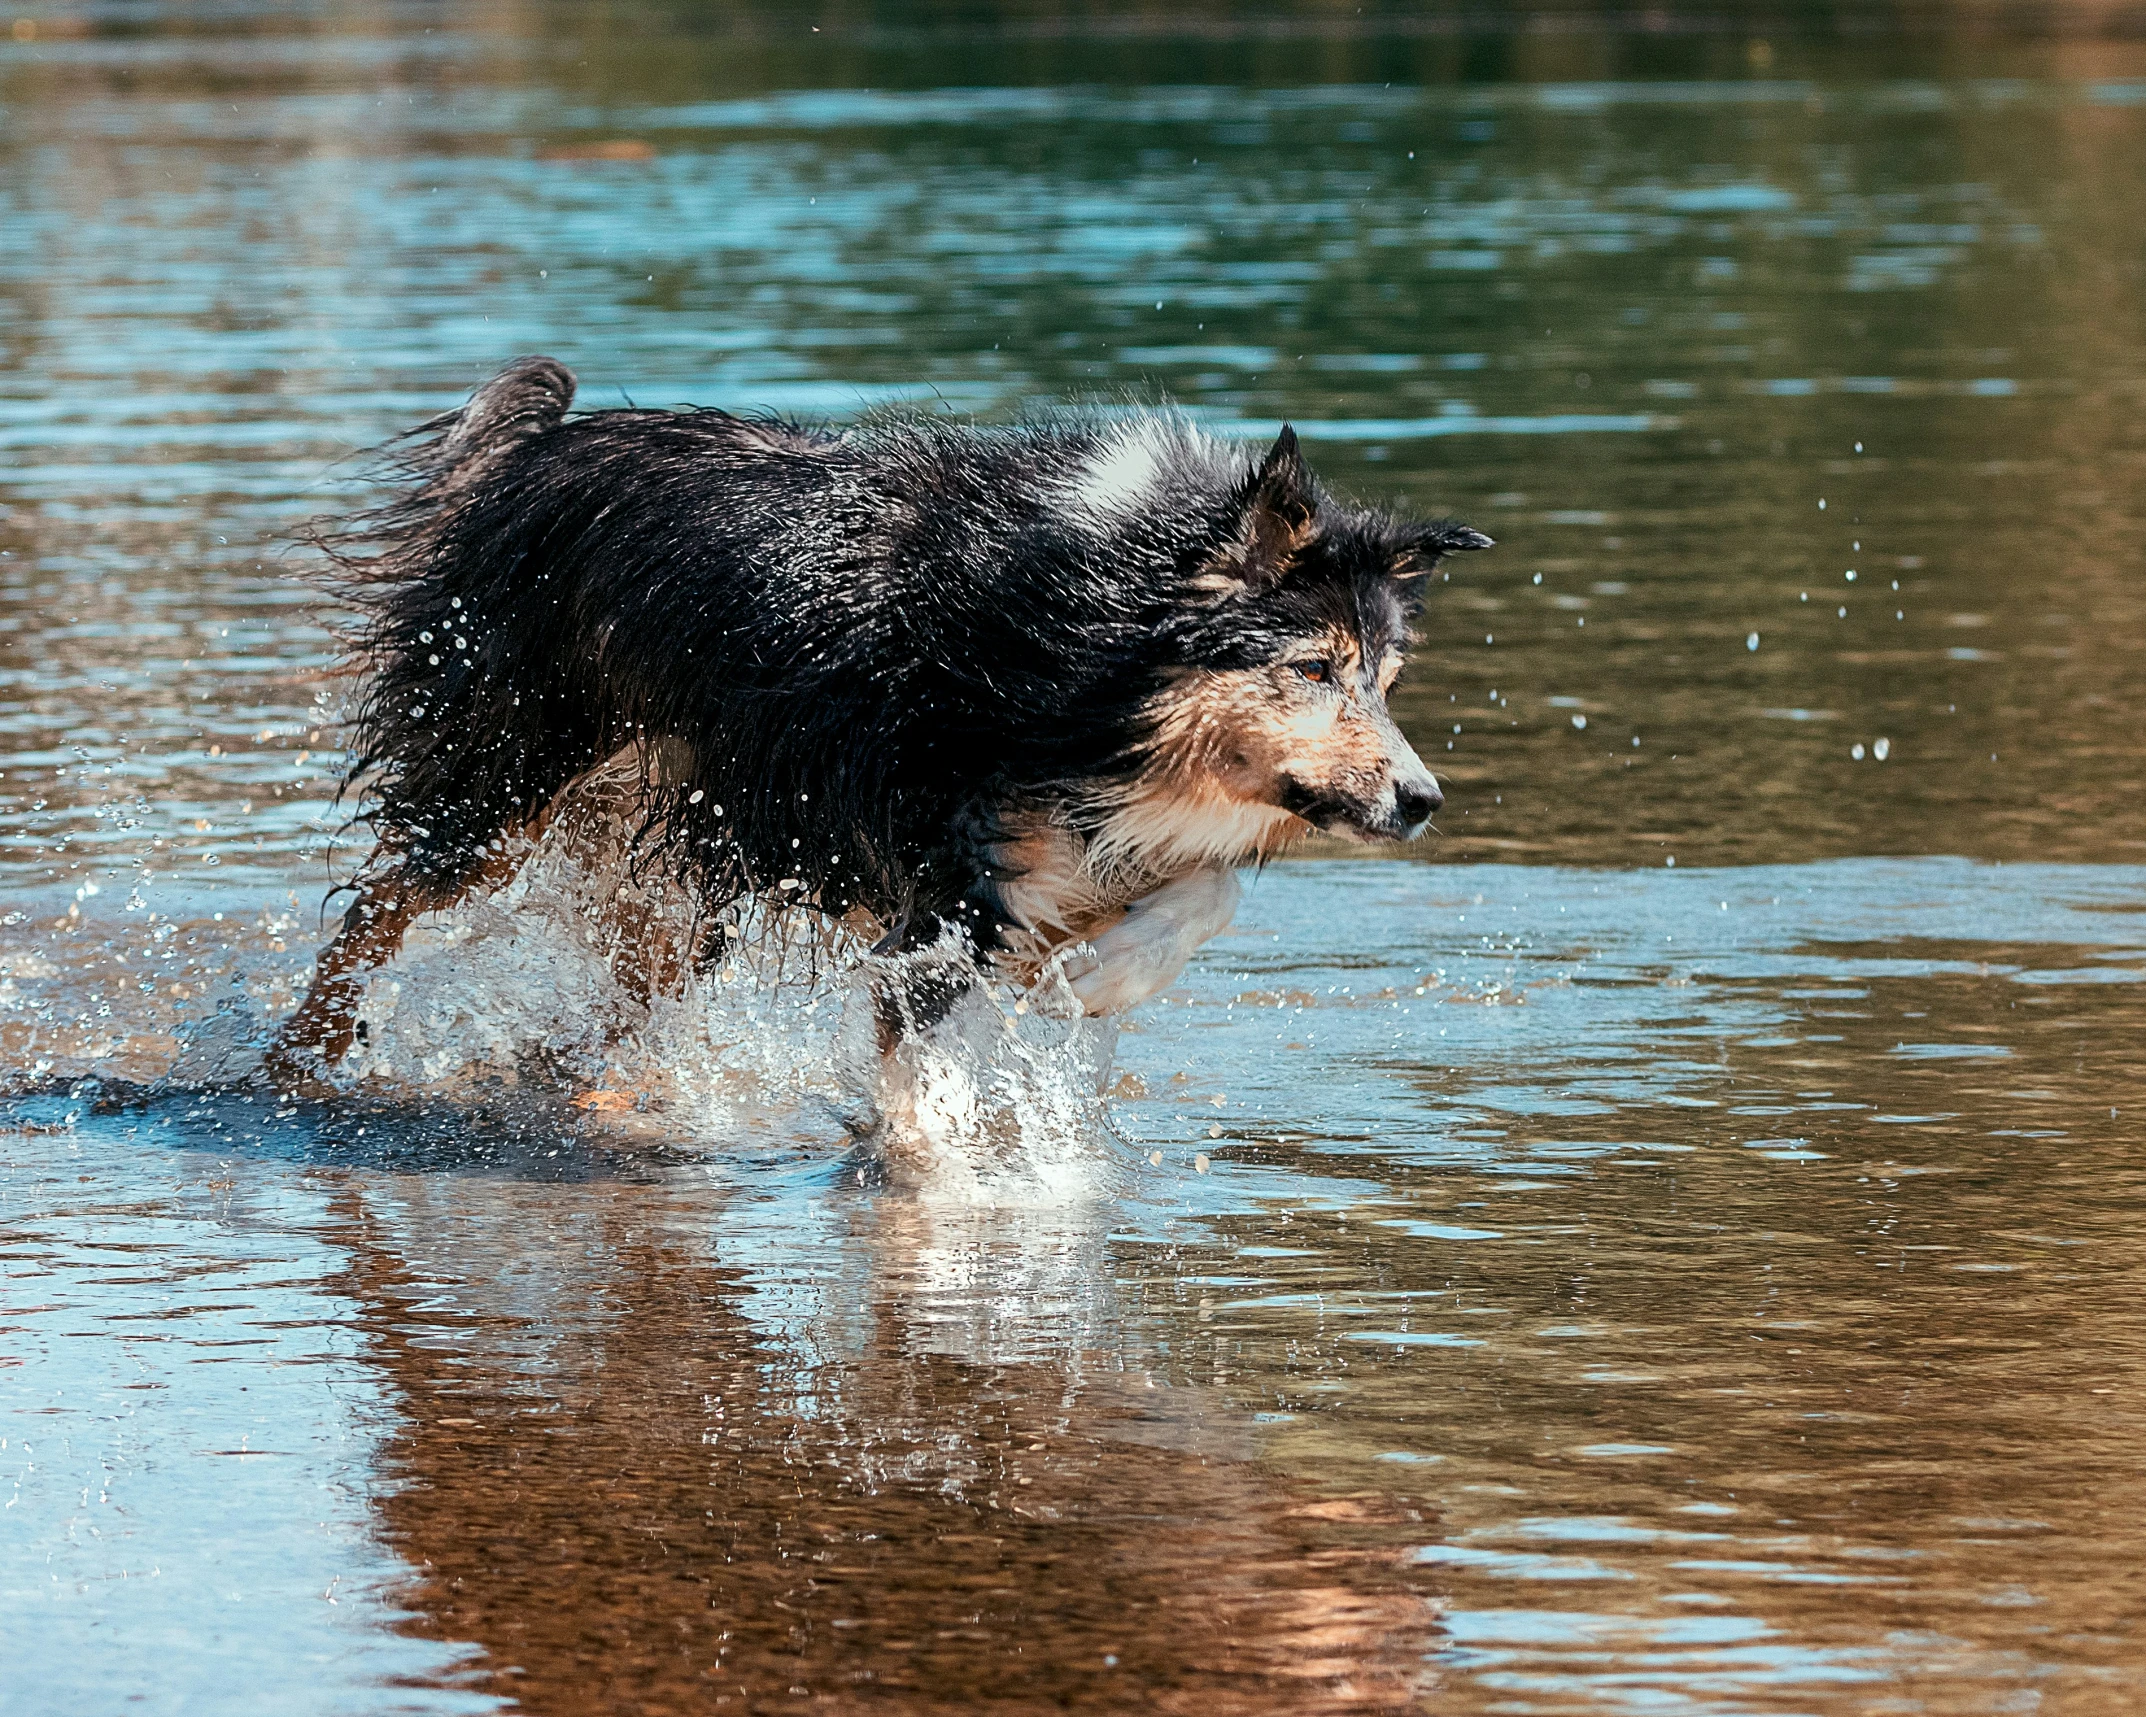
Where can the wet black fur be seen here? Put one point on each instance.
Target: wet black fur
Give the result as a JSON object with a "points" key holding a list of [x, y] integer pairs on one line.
{"points": [[874, 642]]}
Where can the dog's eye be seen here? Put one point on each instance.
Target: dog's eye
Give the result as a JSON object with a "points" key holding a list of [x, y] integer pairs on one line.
{"points": [[1318, 670]]}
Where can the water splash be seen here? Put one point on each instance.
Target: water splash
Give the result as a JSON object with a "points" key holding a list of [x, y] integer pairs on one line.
{"points": [[1000, 1101], [587, 976]]}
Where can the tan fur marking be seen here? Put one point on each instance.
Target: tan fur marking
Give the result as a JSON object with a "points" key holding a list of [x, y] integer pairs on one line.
{"points": [[1223, 748], [1202, 797], [1224, 742], [1054, 897], [1220, 744], [1265, 552], [1270, 540], [1134, 946]]}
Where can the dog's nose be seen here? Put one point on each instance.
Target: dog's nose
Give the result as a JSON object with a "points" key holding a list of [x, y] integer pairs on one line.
{"points": [[1414, 801]]}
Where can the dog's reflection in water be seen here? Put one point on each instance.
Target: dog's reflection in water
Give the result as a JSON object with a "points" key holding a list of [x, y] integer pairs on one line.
{"points": [[923, 1464]]}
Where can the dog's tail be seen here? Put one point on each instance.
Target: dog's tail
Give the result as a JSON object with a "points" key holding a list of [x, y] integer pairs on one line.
{"points": [[441, 459], [441, 740], [528, 397]]}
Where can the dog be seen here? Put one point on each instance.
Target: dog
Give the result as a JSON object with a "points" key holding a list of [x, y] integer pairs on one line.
{"points": [[1041, 689]]}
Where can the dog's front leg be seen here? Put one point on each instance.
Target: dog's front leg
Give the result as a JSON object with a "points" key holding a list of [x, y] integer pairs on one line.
{"points": [[1142, 954]]}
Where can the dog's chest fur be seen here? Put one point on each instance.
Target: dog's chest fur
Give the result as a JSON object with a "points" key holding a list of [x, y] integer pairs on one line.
{"points": [[1059, 886]]}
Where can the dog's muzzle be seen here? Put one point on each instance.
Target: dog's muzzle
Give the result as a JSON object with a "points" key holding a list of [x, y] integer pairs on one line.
{"points": [[1399, 814]]}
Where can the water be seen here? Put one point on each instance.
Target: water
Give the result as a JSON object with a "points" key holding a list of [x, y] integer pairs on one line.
{"points": [[1543, 1277]]}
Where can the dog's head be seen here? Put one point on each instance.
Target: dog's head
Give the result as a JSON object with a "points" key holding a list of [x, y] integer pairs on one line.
{"points": [[1293, 632]]}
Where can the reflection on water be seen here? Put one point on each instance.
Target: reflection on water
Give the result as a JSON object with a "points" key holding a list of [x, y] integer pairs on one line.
{"points": [[1514, 1287], [1704, 1285]]}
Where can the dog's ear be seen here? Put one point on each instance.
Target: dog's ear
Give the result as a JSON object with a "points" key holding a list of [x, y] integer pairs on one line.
{"points": [[1279, 504], [1417, 549], [1282, 500]]}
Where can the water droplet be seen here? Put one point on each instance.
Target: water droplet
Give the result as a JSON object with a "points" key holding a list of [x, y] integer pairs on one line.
{"points": [[1579, 721], [1751, 642]]}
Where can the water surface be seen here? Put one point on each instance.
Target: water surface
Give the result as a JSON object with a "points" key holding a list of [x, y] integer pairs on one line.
{"points": [[1542, 1277]]}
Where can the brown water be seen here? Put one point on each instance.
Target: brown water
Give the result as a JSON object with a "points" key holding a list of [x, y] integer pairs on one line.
{"points": [[1542, 1278]]}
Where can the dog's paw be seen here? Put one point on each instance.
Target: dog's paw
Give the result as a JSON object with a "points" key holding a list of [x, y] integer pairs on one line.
{"points": [[1142, 954]]}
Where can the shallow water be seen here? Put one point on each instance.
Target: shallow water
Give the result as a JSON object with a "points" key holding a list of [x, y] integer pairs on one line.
{"points": [[1576, 1283]]}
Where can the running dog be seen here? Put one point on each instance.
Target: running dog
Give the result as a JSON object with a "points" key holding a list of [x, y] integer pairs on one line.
{"points": [[1039, 687]]}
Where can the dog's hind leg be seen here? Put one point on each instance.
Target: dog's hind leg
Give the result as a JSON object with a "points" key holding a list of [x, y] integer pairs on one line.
{"points": [[321, 1031]]}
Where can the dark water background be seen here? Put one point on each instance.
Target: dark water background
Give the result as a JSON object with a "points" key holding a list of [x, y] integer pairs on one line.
{"points": [[1570, 1281]]}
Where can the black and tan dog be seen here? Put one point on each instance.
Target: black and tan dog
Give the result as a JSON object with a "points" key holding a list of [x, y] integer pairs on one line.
{"points": [[1045, 684]]}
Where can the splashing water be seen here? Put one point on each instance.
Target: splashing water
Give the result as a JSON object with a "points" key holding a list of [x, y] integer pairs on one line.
{"points": [[582, 972], [1000, 1102]]}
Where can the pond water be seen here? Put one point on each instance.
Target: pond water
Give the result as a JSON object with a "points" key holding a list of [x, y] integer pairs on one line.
{"points": [[1668, 1243]]}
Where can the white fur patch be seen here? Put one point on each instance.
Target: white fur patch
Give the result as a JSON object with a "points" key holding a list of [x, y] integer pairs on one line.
{"points": [[1119, 479], [1118, 475]]}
